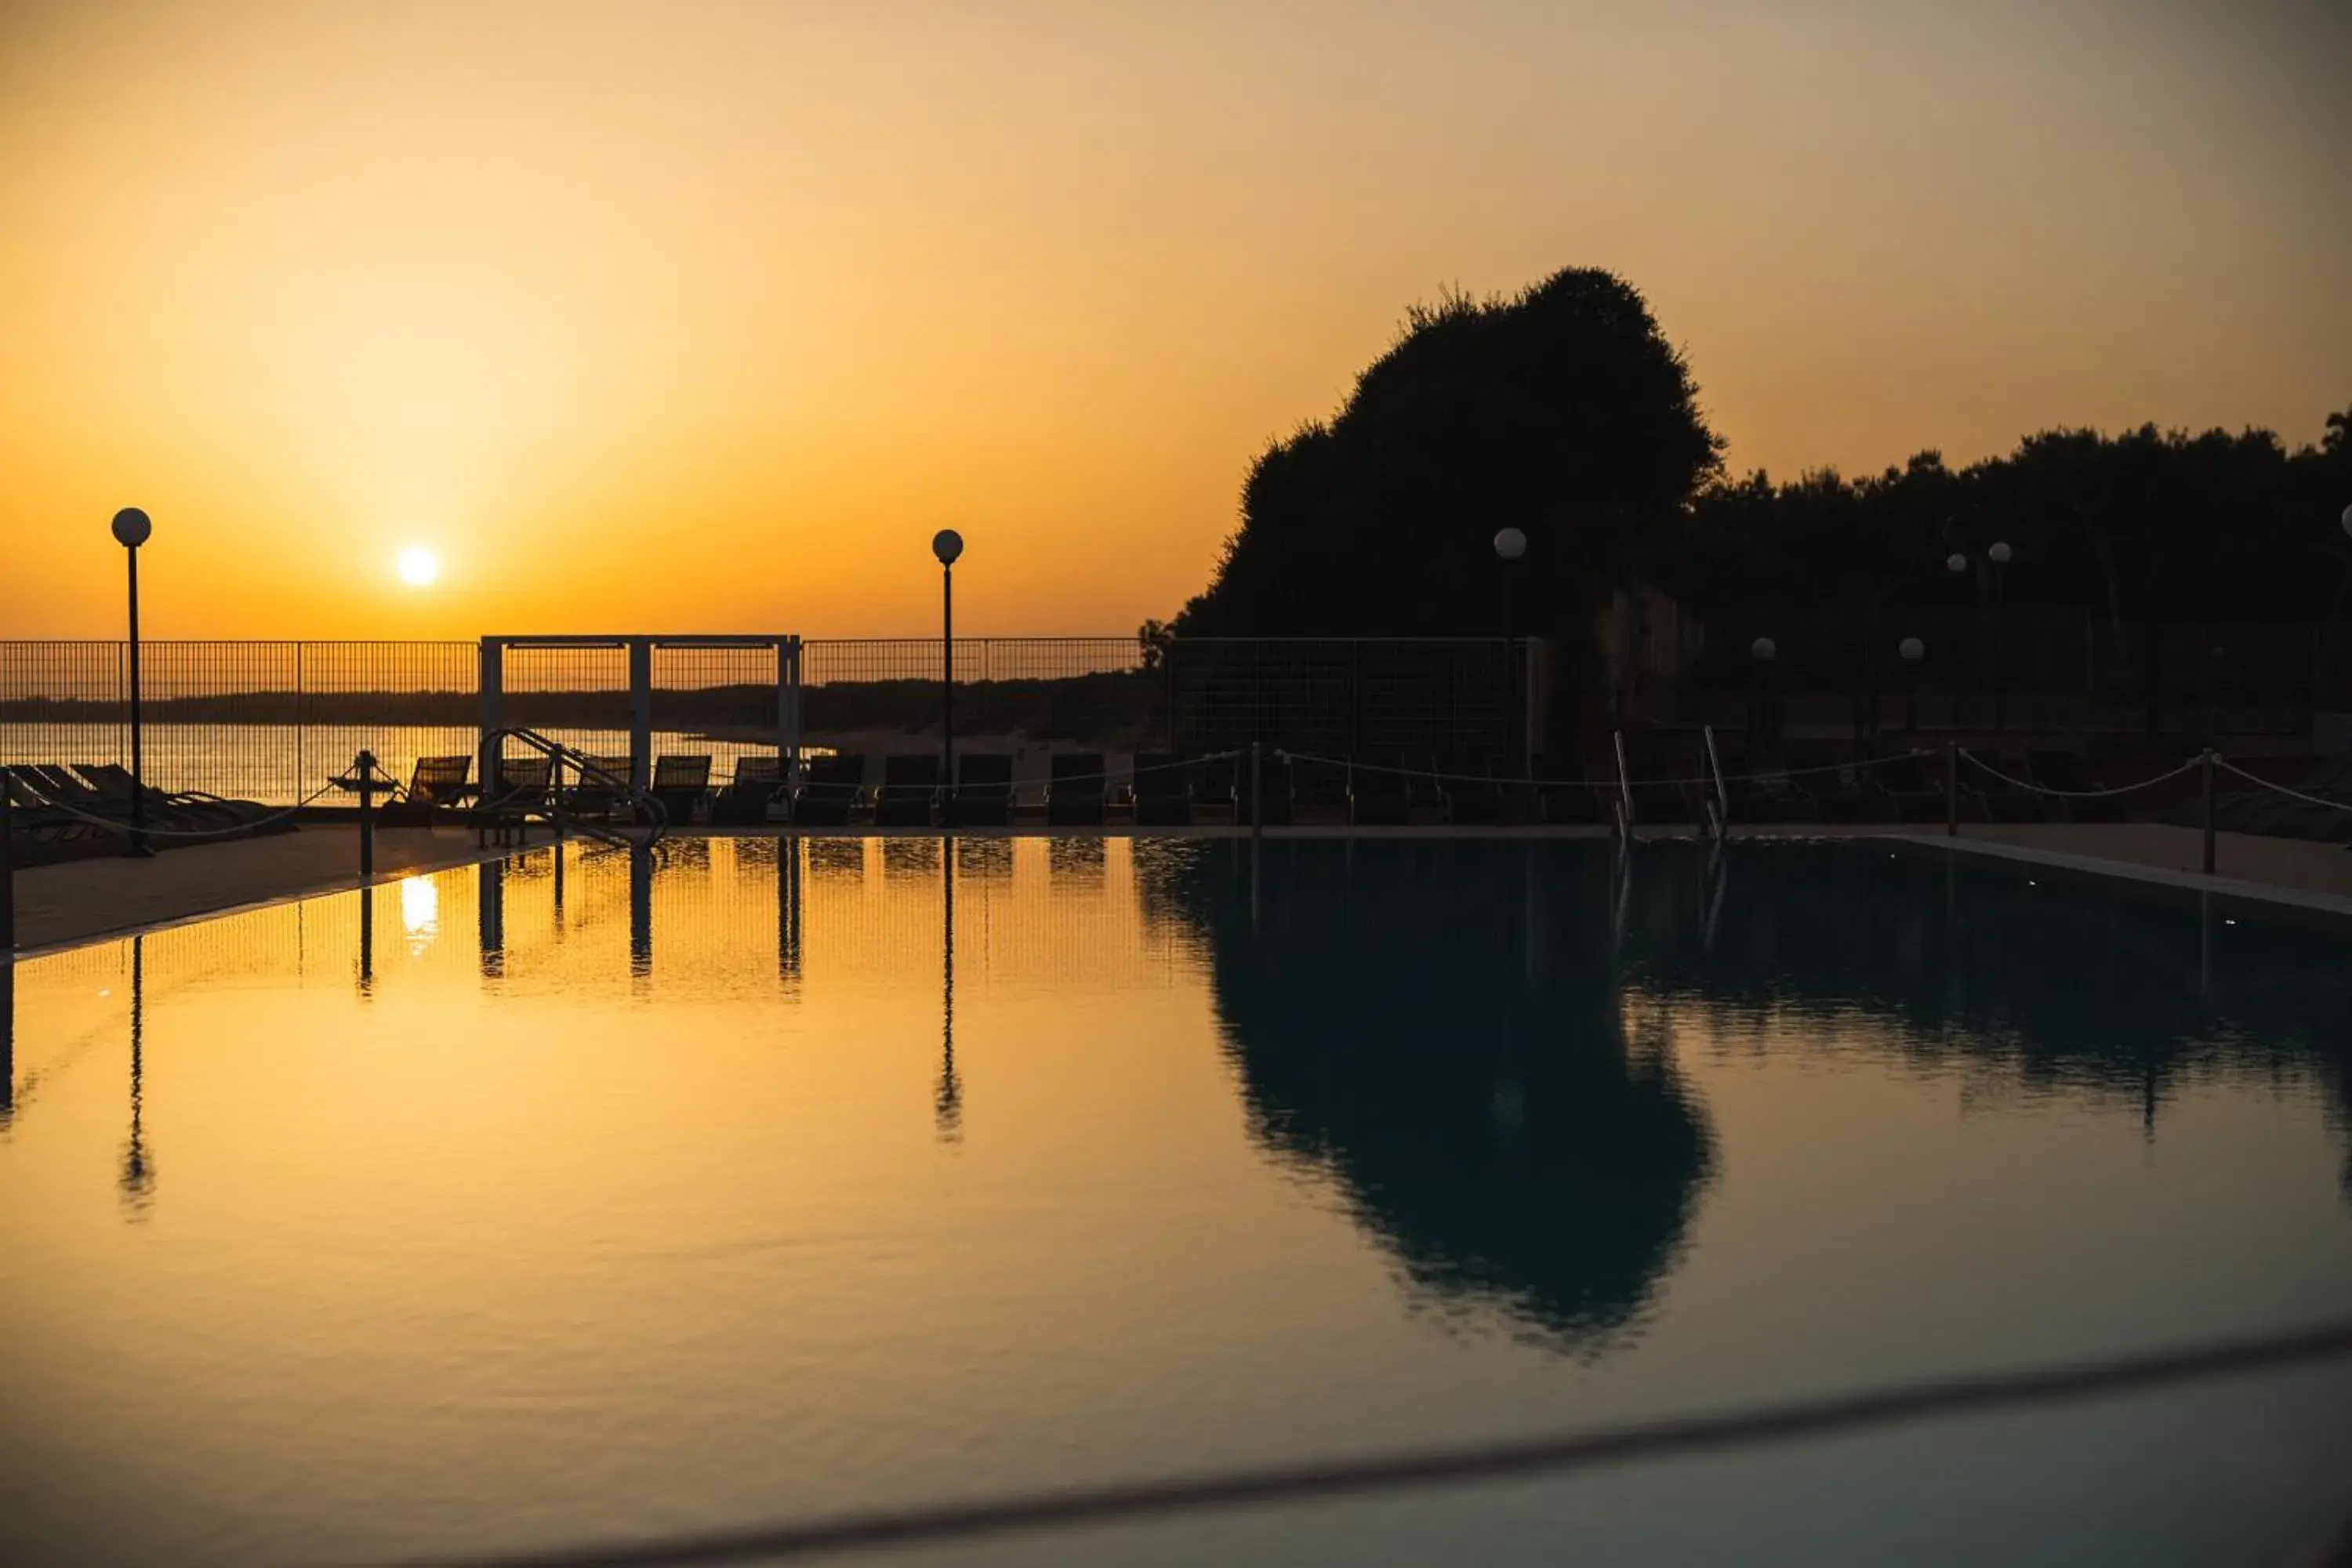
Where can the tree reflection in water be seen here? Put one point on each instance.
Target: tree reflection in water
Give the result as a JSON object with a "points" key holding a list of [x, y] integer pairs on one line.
{"points": [[1442, 1027], [2087, 986], [1437, 1027]]}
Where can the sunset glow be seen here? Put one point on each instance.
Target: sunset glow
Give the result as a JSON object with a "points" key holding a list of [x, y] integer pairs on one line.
{"points": [[418, 567], [709, 317]]}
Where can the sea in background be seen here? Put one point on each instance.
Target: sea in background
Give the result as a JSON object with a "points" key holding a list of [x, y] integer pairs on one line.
{"points": [[278, 765]]}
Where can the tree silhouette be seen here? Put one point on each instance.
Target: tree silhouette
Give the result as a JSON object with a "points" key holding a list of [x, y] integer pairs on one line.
{"points": [[1562, 411]]}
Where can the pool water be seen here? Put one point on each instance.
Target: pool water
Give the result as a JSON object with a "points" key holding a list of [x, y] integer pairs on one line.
{"points": [[537, 1204]]}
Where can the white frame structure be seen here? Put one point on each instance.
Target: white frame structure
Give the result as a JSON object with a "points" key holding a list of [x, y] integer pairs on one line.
{"points": [[641, 690]]}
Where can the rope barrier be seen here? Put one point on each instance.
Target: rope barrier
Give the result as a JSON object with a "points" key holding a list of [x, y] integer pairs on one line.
{"points": [[1775, 774], [2279, 788], [2075, 793], [41, 797], [1755, 1426]]}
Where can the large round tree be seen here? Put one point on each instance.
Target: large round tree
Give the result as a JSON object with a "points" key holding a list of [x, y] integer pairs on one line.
{"points": [[1563, 411]]}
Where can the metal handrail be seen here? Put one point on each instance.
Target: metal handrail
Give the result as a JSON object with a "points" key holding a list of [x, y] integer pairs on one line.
{"points": [[643, 801]]}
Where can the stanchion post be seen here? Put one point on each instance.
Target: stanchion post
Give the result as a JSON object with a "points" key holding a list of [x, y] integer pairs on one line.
{"points": [[366, 768], [8, 872], [2207, 761], [1951, 789], [1257, 793]]}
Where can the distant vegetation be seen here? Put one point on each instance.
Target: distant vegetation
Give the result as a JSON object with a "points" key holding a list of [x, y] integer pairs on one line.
{"points": [[1564, 412], [2149, 525]]}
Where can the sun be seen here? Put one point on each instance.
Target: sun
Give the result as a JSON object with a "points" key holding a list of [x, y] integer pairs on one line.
{"points": [[418, 566]]}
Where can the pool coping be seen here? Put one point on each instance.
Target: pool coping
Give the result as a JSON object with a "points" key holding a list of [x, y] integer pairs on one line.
{"points": [[275, 900], [2091, 866], [2234, 888]]}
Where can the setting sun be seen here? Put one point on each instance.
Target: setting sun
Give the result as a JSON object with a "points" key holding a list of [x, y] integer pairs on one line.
{"points": [[418, 566]]}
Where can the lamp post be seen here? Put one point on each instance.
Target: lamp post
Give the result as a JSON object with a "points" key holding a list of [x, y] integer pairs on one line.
{"points": [[1999, 556], [2319, 688], [1763, 650], [1911, 651], [132, 528], [947, 544], [1509, 545]]}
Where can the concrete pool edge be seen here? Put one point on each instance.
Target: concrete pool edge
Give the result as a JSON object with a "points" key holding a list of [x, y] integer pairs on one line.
{"points": [[290, 895], [2304, 899]]}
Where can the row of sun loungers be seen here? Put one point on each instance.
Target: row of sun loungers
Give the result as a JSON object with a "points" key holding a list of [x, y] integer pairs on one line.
{"points": [[2242, 807], [1163, 789], [52, 803], [62, 810]]}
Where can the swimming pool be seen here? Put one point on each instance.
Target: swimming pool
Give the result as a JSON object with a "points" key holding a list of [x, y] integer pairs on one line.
{"points": [[502, 1207]]}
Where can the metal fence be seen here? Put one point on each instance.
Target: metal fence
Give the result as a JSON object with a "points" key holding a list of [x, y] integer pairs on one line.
{"points": [[2069, 668], [258, 720], [270, 721]]}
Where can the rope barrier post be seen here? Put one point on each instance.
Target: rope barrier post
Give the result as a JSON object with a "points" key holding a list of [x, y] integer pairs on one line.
{"points": [[366, 769], [7, 869], [1951, 789], [1624, 784], [1722, 795], [2208, 760], [1257, 794]]}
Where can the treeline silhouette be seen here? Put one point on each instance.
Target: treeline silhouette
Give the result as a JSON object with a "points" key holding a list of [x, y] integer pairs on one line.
{"points": [[1564, 411], [2146, 526], [1101, 706]]}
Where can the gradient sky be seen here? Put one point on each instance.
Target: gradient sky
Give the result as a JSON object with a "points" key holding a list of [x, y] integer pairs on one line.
{"points": [[703, 317]]}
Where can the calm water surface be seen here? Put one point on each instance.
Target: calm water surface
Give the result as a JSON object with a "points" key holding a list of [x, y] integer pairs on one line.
{"points": [[501, 1209]]}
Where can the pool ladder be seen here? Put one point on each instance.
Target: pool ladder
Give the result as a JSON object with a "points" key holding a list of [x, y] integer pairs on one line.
{"points": [[509, 814]]}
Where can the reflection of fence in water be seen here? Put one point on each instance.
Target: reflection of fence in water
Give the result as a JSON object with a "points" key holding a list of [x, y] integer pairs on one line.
{"points": [[1027, 911]]}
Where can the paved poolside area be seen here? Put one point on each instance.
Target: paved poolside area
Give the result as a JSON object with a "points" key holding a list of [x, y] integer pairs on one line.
{"points": [[83, 900], [78, 899]]}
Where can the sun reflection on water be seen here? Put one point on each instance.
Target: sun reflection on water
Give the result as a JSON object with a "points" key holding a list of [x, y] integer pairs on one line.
{"points": [[420, 911]]}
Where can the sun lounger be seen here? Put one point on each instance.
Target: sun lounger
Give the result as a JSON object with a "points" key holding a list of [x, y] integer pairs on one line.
{"points": [[1274, 770], [1563, 795], [757, 781], [681, 783], [1910, 793], [434, 783], [2004, 801], [1376, 792], [1831, 787], [1213, 792], [831, 788], [34, 819], [1075, 793], [984, 790], [1474, 795], [586, 794], [182, 811], [1162, 789], [2063, 770], [910, 790], [1319, 790]]}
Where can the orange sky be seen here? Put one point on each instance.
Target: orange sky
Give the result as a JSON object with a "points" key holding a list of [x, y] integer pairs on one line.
{"points": [[703, 317]]}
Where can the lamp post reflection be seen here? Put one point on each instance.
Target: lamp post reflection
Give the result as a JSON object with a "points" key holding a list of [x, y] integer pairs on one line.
{"points": [[367, 941], [138, 1165], [948, 1111], [641, 911], [788, 909], [8, 1040], [490, 916]]}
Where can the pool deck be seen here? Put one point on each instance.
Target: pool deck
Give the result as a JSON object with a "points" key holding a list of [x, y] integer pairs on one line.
{"points": [[82, 900], [85, 900]]}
